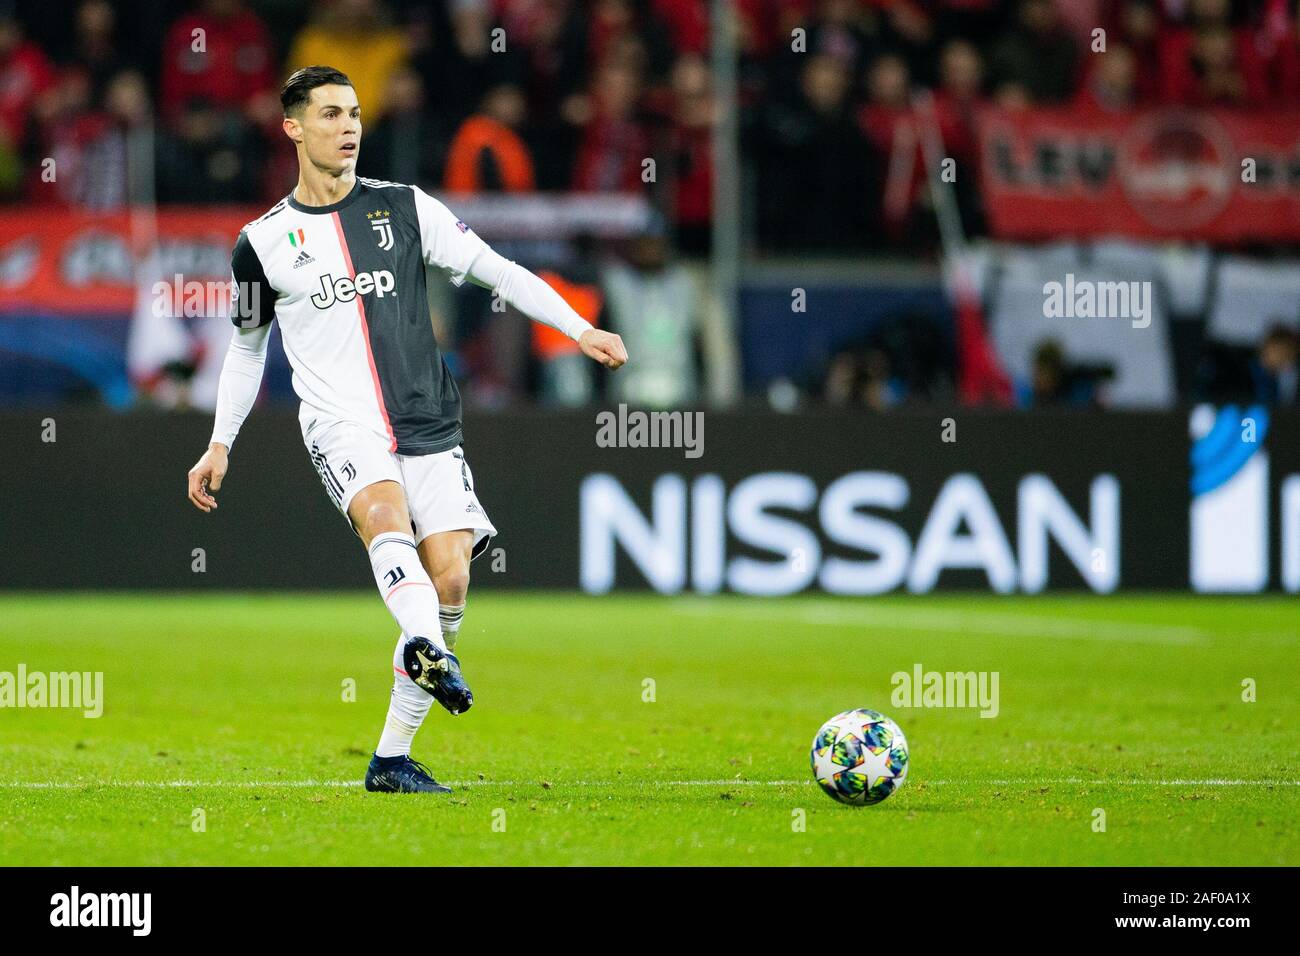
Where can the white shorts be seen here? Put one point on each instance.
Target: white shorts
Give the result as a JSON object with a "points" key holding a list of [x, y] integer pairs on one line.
{"points": [[439, 488]]}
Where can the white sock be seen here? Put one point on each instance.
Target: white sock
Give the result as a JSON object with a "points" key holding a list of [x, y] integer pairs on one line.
{"points": [[405, 586], [450, 615], [407, 709]]}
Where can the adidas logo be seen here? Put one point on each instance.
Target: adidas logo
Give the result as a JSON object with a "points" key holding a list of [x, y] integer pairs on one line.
{"points": [[303, 259]]}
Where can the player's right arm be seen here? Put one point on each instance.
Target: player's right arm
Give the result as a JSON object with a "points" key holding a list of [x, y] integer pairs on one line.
{"points": [[252, 307]]}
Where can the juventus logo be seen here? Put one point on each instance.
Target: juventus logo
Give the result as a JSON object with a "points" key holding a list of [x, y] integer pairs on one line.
{"points": [[349, 470], [395, 575], [384, 229]]}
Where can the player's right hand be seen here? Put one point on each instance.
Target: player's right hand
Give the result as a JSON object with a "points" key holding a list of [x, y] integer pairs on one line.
{"points": [[205, 477]]}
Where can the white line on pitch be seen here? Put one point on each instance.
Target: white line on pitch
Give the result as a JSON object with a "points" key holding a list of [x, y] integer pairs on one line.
{"points": [[272, 784]]}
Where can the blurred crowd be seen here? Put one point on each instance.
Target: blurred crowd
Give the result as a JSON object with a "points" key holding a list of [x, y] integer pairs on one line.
{"points": [[518, 95], [849, 106], [138, 101]]}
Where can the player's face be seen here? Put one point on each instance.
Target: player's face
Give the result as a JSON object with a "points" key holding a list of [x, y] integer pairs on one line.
{"points": [[330, 129]]}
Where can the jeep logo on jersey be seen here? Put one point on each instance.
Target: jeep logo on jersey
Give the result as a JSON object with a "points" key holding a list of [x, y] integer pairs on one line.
{"points": [[345, 289]]}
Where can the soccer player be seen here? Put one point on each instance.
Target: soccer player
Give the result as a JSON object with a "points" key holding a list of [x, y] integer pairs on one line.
{"points": [[340, 262]]}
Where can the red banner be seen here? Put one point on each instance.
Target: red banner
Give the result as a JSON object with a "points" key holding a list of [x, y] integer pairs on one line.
{"points": [[1211, 175], [54, 260]]}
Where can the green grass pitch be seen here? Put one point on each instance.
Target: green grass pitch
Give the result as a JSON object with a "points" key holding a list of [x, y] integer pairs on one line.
{"points": [[235, 706]]}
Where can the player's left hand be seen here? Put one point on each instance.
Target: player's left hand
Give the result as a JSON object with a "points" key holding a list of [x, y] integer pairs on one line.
{"points": [[605, 347]]}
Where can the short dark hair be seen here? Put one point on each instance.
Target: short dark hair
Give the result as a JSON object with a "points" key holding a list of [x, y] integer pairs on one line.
{"points": [[296, 92]]}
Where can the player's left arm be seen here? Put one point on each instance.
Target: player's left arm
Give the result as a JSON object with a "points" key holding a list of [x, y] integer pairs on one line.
{"points": [[450, 244], [530, 294]]}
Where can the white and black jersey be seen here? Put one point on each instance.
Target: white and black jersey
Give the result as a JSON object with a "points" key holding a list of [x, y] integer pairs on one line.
{"points": [[347, 284]]}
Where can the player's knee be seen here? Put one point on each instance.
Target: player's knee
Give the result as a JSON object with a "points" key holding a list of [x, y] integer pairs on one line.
{"points": [[452, 583], [380, 516]]}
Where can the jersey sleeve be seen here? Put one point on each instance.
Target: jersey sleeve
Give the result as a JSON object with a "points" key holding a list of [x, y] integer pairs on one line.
{"points": [[252, 300], [528, 293], [241, 379], [445, 241]]}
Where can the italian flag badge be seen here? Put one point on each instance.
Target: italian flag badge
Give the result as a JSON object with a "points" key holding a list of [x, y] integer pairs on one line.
{"points": [[296, 238]]}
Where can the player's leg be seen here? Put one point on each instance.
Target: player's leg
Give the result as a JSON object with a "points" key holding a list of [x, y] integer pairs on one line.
{"points": [[446, 560], [380, 516], [451, 527], [378, 513], [446, 556], [363, 479], [391, 769]]}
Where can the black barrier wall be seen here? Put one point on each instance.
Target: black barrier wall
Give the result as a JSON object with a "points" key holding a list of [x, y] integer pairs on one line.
{"points": [[761, 503]]}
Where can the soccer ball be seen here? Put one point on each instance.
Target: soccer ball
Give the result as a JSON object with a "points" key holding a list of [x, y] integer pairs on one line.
{"points": [[859, 757]]}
